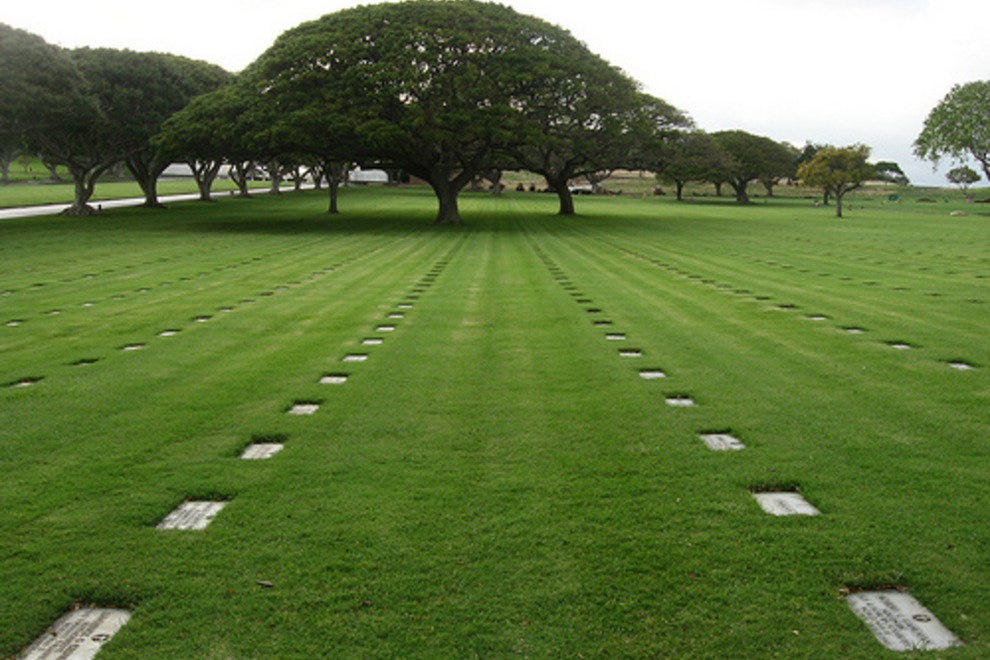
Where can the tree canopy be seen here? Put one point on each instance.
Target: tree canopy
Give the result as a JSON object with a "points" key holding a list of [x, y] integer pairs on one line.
{"points": [[694, 156], [959, 127], [444, 91], [838, 170], [753, 157], [43, 96]]}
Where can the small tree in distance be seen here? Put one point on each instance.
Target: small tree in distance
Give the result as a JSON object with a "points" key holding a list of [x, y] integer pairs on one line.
{"points": [[837, 170], [963, 177]]}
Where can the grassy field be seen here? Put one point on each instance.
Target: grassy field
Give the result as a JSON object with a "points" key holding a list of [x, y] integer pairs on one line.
{"points": [[496, 478]]}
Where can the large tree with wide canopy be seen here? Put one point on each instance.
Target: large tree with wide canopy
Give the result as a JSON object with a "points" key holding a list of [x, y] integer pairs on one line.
{"points": [[442, 90]]}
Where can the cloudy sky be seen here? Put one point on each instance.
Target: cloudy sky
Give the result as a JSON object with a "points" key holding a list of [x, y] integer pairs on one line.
{"points": [[826, 71]]}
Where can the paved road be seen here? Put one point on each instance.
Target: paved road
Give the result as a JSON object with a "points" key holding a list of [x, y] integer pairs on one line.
{"points": [[54, 209]]}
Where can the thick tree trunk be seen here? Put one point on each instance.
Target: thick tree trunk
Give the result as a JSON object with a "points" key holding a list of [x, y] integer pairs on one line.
{"points": [[275, 172], [769, 186], [85, 184], [146, 173], [446, 192], [205, 172], [679, 185], [564, 196], [718, 188], [740, 187], [4, 170]]}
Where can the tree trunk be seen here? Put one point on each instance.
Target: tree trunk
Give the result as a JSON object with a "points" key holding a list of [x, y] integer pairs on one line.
{"points": [[446, 192], [275, 172], [85, 184], [838, 203], [146, 173], [564, 195], [4, 170], [740, 187], [205, 172], [718, 188], [769, 186], [680, 189], [239, 175], [52, 170]]}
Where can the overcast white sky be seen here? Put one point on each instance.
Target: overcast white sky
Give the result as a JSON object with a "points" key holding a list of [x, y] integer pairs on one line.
{"points": [[828, 71]]}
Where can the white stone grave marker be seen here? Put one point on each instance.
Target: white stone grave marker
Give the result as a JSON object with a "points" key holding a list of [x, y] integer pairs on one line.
{"points": [[78, 635], [168, 333], [404, 306], [900, 346], [785, 503], [333, 379], [258, 451], [680, 401], [855, 331], [192, 515], [202, 319], [721, 442], [87, 304], [900, 622], [615, 336], [396, 315], [385, 328], [651, 374], [355, 357], [962, 366], [27, 382], [133, 347], [303, 408], [372, 341], [818, 317], [631, 353], [13, 324]]}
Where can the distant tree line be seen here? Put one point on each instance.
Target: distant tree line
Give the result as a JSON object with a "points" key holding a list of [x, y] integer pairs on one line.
{"points": [[448, 92]]}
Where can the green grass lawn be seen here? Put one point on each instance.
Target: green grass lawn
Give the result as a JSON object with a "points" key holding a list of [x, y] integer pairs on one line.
{"points": [[495, 479]]}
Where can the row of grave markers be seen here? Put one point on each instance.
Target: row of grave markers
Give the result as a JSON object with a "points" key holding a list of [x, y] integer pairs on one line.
{"points": [[80, 633], [958, 364], [895, 617]]}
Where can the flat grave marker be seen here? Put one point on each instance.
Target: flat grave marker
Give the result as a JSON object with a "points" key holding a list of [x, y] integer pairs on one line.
{"points": [[24, 382], [303, 408], [192, 515], [372, 341], [680, 401], [959, 365], [721, 441], [900, 622], [615, 336], [785, 503], [651, 374], [356, 357], [396, 315], [14, 323], [168, 333], [854, 330], [817, 317], [132, 347], [404, 306], [202, 319], [602, 323], [333, 379], [260, 451], [631, 353], [78, 635], [385, 328], [899, 346]]}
